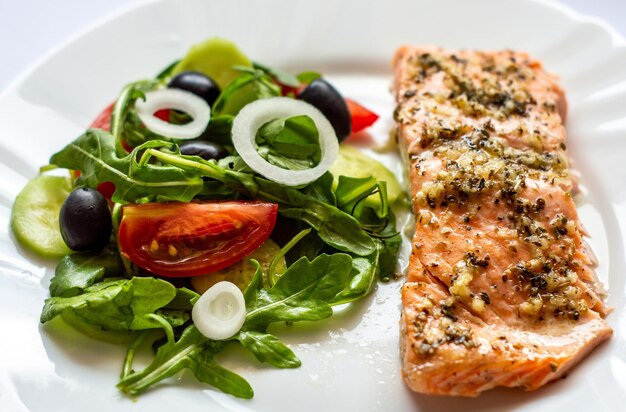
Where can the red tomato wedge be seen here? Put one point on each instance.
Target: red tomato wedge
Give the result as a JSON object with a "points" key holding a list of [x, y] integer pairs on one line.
{"points": [[103, 121], [163, 115], [106, 189], [361, 117], [190, 239], [290, 90]]}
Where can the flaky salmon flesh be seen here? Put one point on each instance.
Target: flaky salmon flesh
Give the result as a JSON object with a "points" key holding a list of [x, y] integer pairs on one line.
{"points": [[500, 289]]}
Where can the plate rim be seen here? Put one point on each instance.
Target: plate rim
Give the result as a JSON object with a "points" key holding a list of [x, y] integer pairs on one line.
{"points": [[617, 38], [573, 15]]}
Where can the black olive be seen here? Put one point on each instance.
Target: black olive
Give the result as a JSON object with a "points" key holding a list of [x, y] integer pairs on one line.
{"points": [[198, 84], [85, 220], [203, 148], [327, 99]]}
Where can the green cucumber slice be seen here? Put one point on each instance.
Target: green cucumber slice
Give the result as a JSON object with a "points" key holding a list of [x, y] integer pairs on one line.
{"points": [[240, 273], [354, 163], [35, 215], [214, 58]]}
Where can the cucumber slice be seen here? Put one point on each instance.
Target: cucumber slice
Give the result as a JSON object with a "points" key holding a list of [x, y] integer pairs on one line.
{"points": [[240, 273], [354, 163], [215, 58], [35, 215], [239, 99]]}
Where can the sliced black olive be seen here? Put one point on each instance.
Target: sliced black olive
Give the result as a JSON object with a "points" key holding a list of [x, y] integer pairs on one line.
{"points": [[327, 99], [85, 220], [205, 149], [198, 84]]}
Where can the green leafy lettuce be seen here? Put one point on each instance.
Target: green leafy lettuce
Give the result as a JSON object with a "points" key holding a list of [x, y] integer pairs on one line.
{"points": [[340, 242], [78, 271], [303, 293], [94, 155], [291, 143], [116, 304]]}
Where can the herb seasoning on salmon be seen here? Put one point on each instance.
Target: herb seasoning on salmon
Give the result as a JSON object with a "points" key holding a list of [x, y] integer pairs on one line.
{"points": [[500, 289]]}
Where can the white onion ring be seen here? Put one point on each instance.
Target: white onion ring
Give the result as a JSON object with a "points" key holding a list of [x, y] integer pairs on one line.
{"points": [[174, 99], [220, 312], [256, 114]]}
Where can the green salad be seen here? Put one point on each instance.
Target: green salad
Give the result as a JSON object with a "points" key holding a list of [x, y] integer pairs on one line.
{"points": [[204, 205]]}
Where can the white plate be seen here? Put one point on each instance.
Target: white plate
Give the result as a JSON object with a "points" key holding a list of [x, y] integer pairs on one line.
{"points": [[351, 362]]}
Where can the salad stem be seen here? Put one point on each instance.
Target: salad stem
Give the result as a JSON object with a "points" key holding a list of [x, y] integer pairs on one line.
{"points": [[167, 327], [116, 214], [117, 119], [127, 367], [271, 270], [210, 170]]}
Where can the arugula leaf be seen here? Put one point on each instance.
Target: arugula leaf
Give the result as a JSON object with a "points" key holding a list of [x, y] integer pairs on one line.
{"points": [[268, 349], [115, 305], [361, 281], [184, 299], [320, 279], [175, 317], [251, 85], [355, 194], [134, 132], [280, 256], [127, 127], [389, 242], [167, 71], [178, 311], [335, 227], [281, 76], [351, 193], [94, 155], [310, 246], [124, 105], [214, 190], [232, 163], [218, 129], [256, 283], [77, 271], [301, 293], [322, 189], [291, 143], [206, 370], [192, 351], [131, 351]]}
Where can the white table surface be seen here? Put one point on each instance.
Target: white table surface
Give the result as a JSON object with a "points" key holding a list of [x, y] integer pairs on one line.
{"points": [[29, 28]]}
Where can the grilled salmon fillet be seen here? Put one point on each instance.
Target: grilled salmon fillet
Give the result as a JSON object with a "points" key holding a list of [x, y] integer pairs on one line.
{"points": [[500, 289]]}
